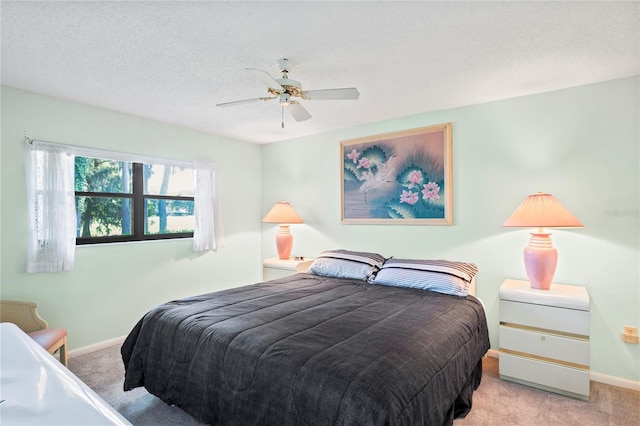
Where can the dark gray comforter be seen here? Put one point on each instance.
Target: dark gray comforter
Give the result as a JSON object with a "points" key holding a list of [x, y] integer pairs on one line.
{"points": [[310, 350]]}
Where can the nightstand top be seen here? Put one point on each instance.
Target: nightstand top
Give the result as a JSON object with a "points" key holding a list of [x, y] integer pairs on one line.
{"points": [[559, 295], [289, 264]]}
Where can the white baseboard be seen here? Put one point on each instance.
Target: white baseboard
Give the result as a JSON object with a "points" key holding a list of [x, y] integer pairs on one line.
{"points": [[615, 381], [594, 376], [96, 346]]}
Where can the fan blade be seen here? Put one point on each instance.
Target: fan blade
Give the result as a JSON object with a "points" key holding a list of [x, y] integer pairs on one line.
{"points": [[332, 94], [298, 112], [264, 77], [245, 101]]}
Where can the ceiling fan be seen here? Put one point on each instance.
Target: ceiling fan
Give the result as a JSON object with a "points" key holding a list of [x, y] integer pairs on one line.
{"points": [[285, 89]]}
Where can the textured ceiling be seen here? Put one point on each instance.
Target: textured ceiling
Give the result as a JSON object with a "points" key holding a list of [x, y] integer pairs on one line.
{"points": [[173, 61]]}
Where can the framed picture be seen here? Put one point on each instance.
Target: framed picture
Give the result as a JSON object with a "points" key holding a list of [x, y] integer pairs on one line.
{"points": [[398, 178]]}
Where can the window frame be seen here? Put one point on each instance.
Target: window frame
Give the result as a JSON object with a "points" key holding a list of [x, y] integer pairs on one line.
{"points": [[137, 197]]}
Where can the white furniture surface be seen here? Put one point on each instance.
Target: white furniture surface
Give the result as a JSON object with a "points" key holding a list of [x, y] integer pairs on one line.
{"points": [[35, 389], [544, 337], [274, 268]]}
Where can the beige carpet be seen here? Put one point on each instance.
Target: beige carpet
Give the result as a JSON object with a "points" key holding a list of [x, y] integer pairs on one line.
{"points": [[495, 403], [501, 403]]}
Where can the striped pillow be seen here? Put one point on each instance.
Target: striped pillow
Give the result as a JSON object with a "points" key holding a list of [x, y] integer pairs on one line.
{"points": [[347, 264], [442, 276]]}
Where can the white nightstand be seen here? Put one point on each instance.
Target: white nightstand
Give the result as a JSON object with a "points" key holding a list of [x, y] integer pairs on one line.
{"points": [[544, 337], [273, 268]]}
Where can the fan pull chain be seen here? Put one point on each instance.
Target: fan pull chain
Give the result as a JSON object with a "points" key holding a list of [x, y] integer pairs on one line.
{"points": [[283, 117]]}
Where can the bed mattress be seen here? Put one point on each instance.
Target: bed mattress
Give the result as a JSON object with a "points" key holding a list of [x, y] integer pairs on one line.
{"points": [[312, 350]]}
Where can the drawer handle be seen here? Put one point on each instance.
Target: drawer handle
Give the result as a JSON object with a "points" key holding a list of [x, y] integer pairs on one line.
{"points": [[544, 330], [545, 359]]}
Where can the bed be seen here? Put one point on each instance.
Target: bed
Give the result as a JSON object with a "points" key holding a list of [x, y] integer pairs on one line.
{"points": [[311, 349]]}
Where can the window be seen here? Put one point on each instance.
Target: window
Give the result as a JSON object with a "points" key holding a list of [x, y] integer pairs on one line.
{"points": [[128, 201], [78, 195]]}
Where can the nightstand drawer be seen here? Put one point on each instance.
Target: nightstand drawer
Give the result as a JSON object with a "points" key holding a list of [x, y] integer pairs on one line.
{"points": [[568, 321], [555, 378], [553, 348], [274, 273]]}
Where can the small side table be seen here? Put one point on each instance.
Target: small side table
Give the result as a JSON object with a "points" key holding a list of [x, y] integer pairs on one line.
{"points": [[544, 337], [274, 267]]}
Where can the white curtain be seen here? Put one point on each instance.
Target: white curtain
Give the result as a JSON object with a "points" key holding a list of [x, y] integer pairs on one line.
{"points": [[50, 207], [51, 202], [208, 233]]}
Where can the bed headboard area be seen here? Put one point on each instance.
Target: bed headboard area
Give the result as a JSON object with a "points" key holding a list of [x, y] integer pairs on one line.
{"points": [[443, 276]]}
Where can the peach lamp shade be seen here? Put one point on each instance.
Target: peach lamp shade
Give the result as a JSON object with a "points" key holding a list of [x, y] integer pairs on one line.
{"points": [[283, 213], [540, 257]]}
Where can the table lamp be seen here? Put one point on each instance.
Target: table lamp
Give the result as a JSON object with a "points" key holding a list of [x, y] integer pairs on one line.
{"points": [[540, 257], [284, 214]]}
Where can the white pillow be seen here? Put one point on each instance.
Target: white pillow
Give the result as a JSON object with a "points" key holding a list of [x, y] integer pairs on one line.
{"points": [[442, 276], [347, 264]]}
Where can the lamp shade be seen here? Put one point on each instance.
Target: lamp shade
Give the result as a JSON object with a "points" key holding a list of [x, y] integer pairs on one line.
{"points": [[542, 211], [282, 212], [540, 257]]}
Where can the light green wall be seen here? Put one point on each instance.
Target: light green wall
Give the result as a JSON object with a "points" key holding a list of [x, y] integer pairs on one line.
{"points": [[580, 144], [112, 286]]}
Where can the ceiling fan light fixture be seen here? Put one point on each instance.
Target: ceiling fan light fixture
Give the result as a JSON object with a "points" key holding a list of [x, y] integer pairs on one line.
{"points": [[286, 90], [285, 99]]}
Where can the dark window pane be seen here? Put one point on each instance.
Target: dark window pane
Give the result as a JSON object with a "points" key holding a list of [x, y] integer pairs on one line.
{"points": [[103, 216], [168, 180], [168, 216], [107, 191], [98, 175]]}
